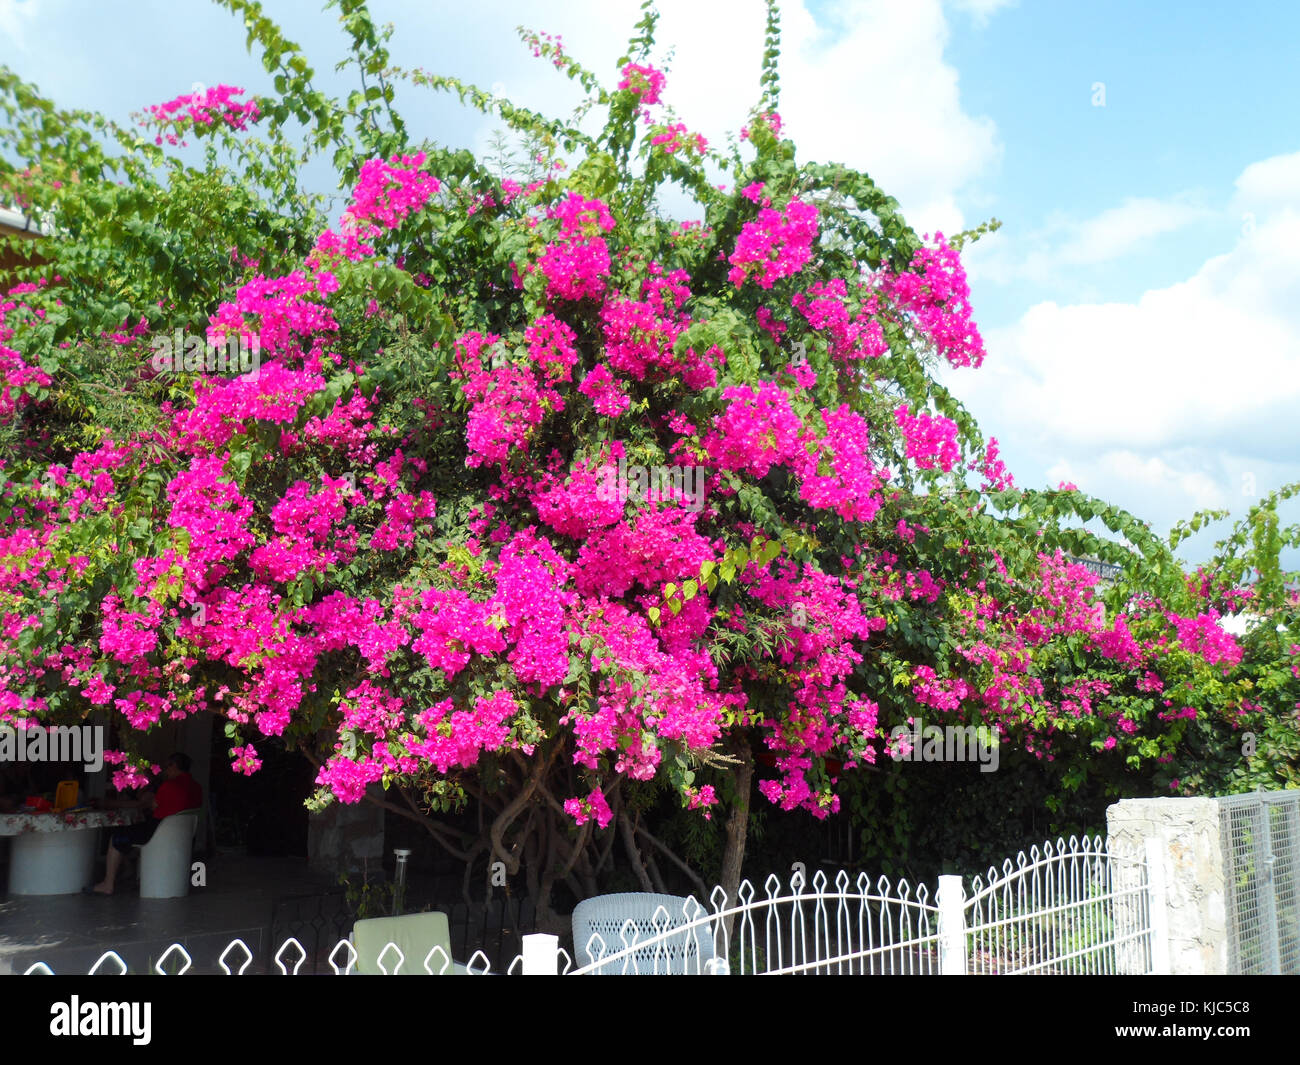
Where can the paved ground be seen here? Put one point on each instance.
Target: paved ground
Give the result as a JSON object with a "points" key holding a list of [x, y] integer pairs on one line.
{"points": [[70, 932]]}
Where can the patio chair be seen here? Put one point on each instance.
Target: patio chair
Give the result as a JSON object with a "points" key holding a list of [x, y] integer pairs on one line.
{"points": [[165, 859], [686, 951], [414, 934]]}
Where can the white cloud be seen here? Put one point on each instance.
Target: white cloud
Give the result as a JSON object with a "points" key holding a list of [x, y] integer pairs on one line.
{"points": [[899, 117], [1045, 255], [1210, 356], [1161, 489], [1152, 475], [1270, 183], [14, 17], [1142, 401], [1119, 230], [980, 10]]}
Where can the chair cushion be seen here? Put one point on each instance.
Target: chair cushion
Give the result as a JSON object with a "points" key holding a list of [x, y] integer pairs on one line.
{"points": [[415, 935]]}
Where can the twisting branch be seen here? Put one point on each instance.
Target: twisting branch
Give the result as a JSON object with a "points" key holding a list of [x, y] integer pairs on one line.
{"points": [[616, 807], [513, 809], [435, 829], [430, 826], [629, 841], [691, 874]]}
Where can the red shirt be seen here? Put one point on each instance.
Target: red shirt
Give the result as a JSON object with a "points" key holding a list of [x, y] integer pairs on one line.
{"points": [[180, 793]]}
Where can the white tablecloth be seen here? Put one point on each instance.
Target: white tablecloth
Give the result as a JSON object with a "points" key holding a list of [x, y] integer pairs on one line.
{"points": [[18, 824], [54, 854]]}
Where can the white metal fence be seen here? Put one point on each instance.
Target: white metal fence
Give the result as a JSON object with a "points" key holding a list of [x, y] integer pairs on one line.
{"points": [[1068, 907], [1063, 908]]}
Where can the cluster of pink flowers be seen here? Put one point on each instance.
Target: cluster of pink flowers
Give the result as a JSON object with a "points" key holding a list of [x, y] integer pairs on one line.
{"points": [[931, 439], [15, 373], [661, 545], [851, 337], [936, 295], [593, 806], [386, 193], [1118, 642], [939, 693], [125, 635], [575, 507], [646, 82], [346, 429], [770, 119], [576, 264], [485, 727], [213, 511], [217, 104], [285, 306], [675, 137], [852, 485], [552, 346], [777, 244], [453, 627], [821, 650], [131, 777], [997, 478], [245, 760], [605, 392], [1204, 636], [507, 401], [758, 429]]}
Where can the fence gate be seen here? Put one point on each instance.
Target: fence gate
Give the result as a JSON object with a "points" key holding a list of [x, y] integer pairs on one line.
{"points": [[1261, 862], [1074, 907]]}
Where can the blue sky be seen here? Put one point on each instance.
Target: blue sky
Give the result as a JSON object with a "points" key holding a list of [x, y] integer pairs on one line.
{"points": [[1141, 305]]}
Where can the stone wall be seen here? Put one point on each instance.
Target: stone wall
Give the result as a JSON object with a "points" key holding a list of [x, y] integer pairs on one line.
{"points": [[346, 838], [1184, 835]]}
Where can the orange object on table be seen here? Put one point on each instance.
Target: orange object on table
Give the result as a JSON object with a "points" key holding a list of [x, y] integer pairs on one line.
{"points": [[65, 797]]}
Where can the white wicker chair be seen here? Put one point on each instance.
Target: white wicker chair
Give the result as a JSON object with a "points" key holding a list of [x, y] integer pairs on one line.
{"points": [[607, 916]]}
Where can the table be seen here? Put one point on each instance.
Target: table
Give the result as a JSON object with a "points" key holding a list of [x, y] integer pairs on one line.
{"points": [[54, 854]]}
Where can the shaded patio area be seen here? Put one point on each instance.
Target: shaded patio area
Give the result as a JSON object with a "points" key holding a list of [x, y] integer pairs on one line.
{"points": [[260, 900], [69, 932]]}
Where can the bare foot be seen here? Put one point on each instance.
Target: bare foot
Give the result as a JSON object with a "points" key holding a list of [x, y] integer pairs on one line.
{"points": [[101, 889]]}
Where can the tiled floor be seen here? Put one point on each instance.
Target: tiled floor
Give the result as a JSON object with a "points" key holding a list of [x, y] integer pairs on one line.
{"points": [[70, 932]]}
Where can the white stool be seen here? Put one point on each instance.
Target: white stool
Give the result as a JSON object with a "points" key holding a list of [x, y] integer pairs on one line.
{"points": [[165, 859]]}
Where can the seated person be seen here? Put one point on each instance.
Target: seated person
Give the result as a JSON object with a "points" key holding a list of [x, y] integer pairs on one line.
{"points": [[178, 791], [15, 785]]}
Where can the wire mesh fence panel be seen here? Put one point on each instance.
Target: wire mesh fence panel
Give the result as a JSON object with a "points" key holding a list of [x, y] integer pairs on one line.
{"points": [[1284, 835], [1261, 860]]}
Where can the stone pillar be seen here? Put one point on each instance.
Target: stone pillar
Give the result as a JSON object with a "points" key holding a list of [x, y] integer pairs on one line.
{"points": [[345, 838], [1182, 835]]}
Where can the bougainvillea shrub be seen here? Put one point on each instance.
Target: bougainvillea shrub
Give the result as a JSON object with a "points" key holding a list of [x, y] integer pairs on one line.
{"points": [[536, 495]]}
